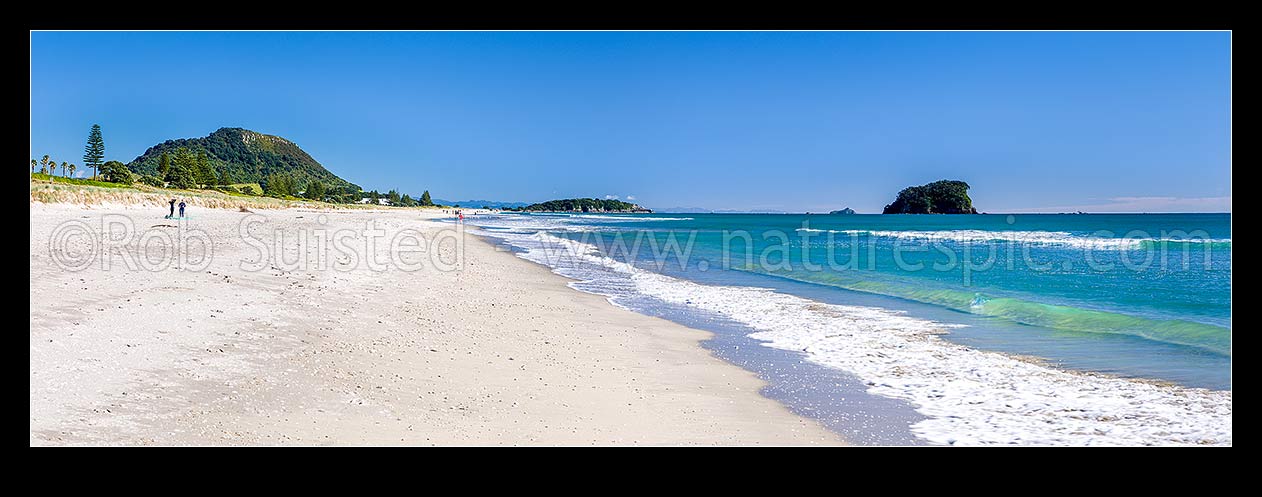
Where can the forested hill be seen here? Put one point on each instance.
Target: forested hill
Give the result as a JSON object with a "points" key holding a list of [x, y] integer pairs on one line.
{"points": [[243, 156], [584, 205]]}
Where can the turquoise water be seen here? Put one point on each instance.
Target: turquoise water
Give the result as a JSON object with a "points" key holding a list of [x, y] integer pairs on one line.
{"points": [[1131, 295]]}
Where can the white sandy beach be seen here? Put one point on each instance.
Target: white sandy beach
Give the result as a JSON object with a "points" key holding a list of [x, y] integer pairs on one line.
{"points": [[498, 352]]}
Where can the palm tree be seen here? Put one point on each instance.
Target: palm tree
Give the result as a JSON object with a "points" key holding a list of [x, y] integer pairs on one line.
{"points": [[33, 164], [43, 165], [72, 170], [64, 165]]}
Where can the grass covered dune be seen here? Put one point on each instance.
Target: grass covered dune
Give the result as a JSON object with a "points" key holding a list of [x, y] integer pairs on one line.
{"points": [[87, 194]]}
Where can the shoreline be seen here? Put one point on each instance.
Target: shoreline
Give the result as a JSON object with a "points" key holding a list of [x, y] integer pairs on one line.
{"points": [[836, 399], [964, 395], [501, 352]]}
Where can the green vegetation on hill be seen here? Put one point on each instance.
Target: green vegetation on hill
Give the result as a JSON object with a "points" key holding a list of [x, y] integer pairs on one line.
{"points": [[236, 155], [234, 161], [939, 197], [248, 188], [583, 205]]}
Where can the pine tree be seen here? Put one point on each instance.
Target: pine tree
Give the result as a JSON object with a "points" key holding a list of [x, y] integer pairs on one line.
{"points": [[183, 173], [164, 166], [94, 152], [315, 190], [205, 173], [279, 185], [425, 200]]}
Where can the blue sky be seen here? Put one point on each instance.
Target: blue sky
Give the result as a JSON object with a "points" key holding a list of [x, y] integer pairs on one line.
{"points": [[788, 121]]}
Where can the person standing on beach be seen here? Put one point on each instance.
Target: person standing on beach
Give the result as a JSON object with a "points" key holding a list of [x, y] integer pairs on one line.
{"points": [[172, 213], [181, 208]]}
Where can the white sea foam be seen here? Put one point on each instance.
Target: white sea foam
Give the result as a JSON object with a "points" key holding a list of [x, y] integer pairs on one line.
{"points": [[1053, 238], [971, 397]]}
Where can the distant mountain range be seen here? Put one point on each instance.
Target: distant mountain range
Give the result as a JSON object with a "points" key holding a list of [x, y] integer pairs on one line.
{"points": [[242, 156], [684, 210]]}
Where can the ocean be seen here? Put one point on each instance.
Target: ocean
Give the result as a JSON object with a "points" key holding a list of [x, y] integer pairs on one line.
{"points": [[1074, 329]]}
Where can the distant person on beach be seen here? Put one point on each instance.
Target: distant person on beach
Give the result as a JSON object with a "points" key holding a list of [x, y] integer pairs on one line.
{"points": [[181, 208], [172, 213]]}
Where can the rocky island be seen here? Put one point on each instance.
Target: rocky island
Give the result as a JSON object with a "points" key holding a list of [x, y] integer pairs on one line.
{"points": [[939, 197]]}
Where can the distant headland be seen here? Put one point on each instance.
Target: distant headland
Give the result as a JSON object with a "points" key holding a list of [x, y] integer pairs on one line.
{"points": [[939, 197], [583, 205]]}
